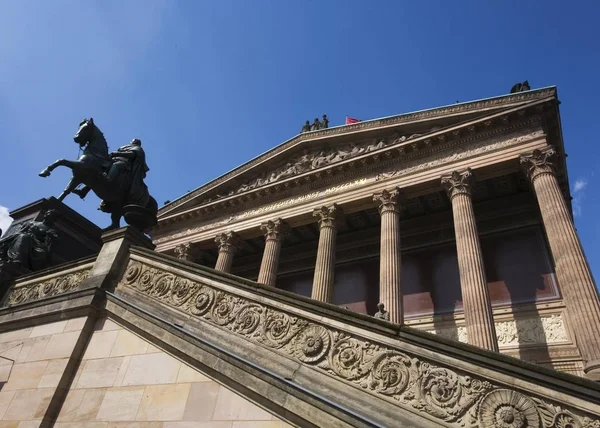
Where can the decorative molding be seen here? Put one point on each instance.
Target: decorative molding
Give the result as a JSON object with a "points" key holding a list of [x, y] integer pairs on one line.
{"points": [[458, 183], [538, 162], [267, 208], [366, 125], [449, 395], [45, 287], [458, 154]]}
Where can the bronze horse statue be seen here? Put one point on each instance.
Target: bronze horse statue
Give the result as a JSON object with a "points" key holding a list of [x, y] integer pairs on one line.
{"points": [[116, 178]]}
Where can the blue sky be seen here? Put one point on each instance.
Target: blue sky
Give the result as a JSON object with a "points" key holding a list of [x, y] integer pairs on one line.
{"points": [[207, 85]]}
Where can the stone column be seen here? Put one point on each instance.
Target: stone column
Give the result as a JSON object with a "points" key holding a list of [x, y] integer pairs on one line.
{"points": [[228, 244], [274, 233], [475, 295], [325, 267], [572, 270], [390, 293]]}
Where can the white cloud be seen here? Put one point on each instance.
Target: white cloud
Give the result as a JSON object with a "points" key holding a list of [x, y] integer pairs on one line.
{"points": [[579, 185], [5, 219], [578, 195]]}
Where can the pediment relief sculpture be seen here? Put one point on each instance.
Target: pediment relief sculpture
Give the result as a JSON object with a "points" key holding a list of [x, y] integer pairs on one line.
{"points": [[315, 159]]}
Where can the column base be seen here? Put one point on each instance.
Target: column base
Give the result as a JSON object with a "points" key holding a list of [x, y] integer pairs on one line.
{"points": [[592, 370]]}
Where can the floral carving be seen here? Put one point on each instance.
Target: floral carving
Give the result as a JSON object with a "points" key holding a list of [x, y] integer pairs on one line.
{"points": [[311, 344], [458, 183], [274, 229], [38, 290], [538, 162], [448, 394], [388, 201], [328, 216], [504, 408]]}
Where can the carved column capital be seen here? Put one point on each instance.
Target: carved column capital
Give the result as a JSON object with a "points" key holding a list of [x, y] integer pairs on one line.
{"points": [[228, 242], [185, 251], [388, 200], [538, 162], [274, 229], [458, 183], [328, 216]]}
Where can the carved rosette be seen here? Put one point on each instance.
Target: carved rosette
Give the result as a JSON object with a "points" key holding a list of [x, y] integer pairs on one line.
{"points": [[453, 397], [328, 216], [504, 408], [458, 183], [274, 230], [388, 201], [39, 290], [538, 162], [228, 242]]}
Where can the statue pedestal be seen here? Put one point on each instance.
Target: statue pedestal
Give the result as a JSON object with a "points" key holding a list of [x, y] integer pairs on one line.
{"points": [[77, 236]]}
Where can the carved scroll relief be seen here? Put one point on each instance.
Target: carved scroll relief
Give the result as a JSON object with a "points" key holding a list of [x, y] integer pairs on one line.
{"points": [[45, 287], [453, 397]]}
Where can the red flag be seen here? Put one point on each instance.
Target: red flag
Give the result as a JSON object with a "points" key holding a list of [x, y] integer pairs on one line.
{"points": [[350, 120]]}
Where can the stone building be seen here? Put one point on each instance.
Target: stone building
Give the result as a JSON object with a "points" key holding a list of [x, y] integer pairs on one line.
{"points": [[253, 303]]}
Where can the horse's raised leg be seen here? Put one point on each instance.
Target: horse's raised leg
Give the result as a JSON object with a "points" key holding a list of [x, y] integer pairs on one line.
{"points": [[61, 162], [70, 187]]}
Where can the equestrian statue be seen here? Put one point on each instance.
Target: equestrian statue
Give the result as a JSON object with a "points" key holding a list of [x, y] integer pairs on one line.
{"points": [[116, 178]]}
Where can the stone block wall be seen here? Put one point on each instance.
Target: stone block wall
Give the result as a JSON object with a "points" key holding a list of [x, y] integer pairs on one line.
{"points": [[124, 381], [33, 361], [121, 381]]}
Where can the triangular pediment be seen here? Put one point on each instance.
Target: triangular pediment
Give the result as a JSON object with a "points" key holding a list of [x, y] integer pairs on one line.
{"points": [[315, 150]]}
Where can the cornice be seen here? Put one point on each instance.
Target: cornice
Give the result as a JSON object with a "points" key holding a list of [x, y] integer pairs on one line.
{"points": [[446, 111], [403, 153]]}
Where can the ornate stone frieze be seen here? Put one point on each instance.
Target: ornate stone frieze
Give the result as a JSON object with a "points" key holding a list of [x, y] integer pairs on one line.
{"points": [[457, 154], [396, 120], [45, 288], [451, 396], [274, 229], [388, 200], [267, 208], [328, 216], [458, 182], [550, 329], [456, 333], [538, 162], [534, 331]]}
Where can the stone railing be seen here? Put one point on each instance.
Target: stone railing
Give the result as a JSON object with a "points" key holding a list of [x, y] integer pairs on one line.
{"points": [[443, 385], [45, 284]]}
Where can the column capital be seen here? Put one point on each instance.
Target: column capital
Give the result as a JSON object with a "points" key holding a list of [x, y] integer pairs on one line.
{"points": [[458, 183], [538, 162], [185, 251], [274, 229], [228, 242], [328, 216], [389, 200]]}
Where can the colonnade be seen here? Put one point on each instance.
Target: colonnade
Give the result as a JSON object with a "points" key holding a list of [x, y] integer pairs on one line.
{"points": [[572, 270]]}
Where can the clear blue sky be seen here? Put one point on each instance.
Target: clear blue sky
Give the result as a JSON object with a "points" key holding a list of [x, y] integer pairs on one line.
{"points": [[208, 85]]}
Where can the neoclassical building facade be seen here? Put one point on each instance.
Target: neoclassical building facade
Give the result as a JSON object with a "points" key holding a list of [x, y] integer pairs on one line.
{"points": [[457, 219], [256, 300]]}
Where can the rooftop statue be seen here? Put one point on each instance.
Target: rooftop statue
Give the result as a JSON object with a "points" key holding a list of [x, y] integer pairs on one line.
{"points": [[306, 127], [520, 87], [30, 247], [381, 313], [117, 178]]}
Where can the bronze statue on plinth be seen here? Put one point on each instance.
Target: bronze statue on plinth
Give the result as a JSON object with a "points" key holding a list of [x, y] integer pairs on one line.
{"points": [[117, 178]]}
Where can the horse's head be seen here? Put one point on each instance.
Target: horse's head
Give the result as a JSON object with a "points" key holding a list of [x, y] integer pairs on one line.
{"points": [[85, 132]]}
